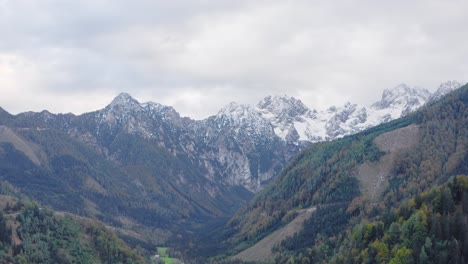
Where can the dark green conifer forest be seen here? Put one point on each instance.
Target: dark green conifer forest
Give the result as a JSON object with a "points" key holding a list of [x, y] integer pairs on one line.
{"points": [[30, 233]]}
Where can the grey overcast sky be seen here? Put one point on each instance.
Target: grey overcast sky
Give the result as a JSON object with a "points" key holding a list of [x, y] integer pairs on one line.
{"points": [[199, 55]]}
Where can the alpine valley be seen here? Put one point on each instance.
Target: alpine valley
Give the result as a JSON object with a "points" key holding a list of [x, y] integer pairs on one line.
{"points": [[219, 187]]}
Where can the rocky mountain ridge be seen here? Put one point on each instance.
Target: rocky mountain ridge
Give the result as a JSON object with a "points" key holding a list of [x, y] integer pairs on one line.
{"points": [[242, 145]]}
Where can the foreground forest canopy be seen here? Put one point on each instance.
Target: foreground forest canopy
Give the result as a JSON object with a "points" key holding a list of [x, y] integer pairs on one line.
{"points": [[30, 233], [429, 228]]}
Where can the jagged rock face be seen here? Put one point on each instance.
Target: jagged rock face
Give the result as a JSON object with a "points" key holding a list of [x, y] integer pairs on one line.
{"points": [[125, 114], [283, 112], [240, 147], [283, 106], [254, 138]]}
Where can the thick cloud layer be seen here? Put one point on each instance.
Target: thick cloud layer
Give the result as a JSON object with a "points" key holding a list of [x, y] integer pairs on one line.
{"points": [[75, 56]]}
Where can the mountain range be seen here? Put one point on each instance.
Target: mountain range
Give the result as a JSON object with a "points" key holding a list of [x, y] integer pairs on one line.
{"points": [[242, 145], [247, 145], [143, 167], [295, 123]]}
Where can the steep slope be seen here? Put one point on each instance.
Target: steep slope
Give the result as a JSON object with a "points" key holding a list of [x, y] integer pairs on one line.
{"points": [[263, 249], [429, 228], [326, 176], [8, 136], [137, 184], [33, 234], [373, 176], [240, 147]]}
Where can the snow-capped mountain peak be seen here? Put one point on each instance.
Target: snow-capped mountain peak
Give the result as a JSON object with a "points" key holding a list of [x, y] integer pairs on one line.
{"points": [[288, 116], [243, 123], [282, 105], [240, 115], [159, 108], [444, 89], [125, 104], [124, 100], [119, 109], [402, 96], [237, 111], [449, 86], [138, 118], [294, 122]]}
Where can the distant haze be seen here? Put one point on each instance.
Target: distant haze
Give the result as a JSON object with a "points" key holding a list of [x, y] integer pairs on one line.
{"points": [[199, 55]]}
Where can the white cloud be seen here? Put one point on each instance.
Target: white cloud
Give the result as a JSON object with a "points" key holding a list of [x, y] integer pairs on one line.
{"points": [[199, 55]]}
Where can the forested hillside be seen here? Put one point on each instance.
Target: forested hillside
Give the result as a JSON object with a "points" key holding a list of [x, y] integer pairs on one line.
{"points": [[432, 227], [30, 233], [330, 176]]}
